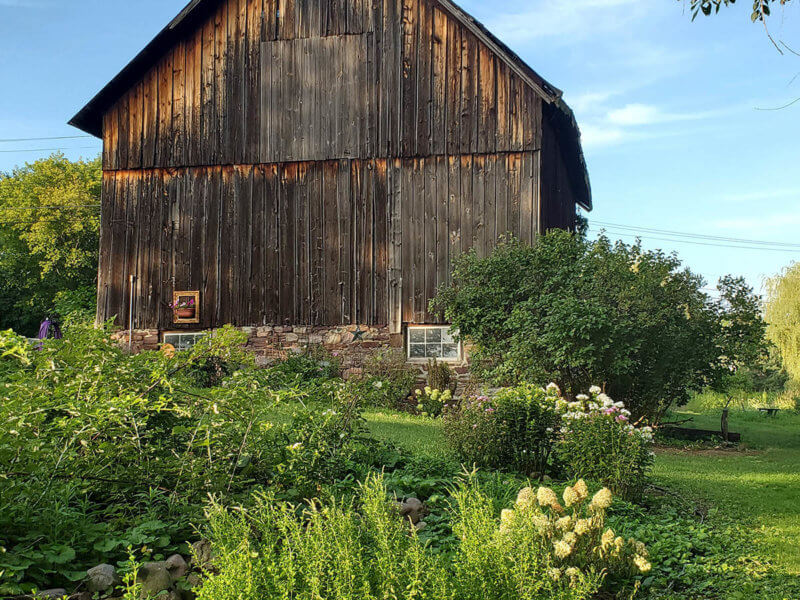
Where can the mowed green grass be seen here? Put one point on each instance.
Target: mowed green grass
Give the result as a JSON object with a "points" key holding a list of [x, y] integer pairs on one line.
{"points": [[759, 483]]}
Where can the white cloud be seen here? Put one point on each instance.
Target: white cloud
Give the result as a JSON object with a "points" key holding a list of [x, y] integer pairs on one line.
{"points": [[635, 114], [593, 136], [567, 20]]}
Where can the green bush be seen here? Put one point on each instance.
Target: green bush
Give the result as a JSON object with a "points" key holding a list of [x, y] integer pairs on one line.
{"points": [[365, 550], [318, 447], [598, 442], [577, 312], [387, 380], [100, 450], [432, 402], [217, 356], [440, 376], [515, 429], [314, 363], [333, 552]]}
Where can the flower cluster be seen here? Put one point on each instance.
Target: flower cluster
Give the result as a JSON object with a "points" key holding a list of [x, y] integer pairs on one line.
{"points": [[600, 405], [431, 403], [572, 530], [180, 304]]}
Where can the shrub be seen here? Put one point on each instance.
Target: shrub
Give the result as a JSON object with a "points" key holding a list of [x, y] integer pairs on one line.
{"points": [[314, 363], [364, 550], [431, 403], [516, 429], [100, 450], [318, 447], [216, 356], [572, 537], [388, 379], [335, 552], [440, 376], [598, 442], [577, 312]]}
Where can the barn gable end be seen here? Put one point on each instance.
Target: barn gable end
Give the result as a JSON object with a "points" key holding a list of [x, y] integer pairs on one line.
{"points": [[314, 162]]}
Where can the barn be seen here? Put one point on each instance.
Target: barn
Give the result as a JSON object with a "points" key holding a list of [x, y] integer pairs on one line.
{"points": [[309, 169]]}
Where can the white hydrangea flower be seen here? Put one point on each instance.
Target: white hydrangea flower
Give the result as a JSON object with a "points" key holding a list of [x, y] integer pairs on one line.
{"points": [[594, 390]]}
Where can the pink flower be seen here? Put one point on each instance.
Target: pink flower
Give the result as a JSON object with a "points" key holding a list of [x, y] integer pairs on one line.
{"points": [[621, 419]]}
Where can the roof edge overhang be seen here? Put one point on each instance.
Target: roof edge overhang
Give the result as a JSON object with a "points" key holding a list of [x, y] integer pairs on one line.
{"points": [[90, 118]]}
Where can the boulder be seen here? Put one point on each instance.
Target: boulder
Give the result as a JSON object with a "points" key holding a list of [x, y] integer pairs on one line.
{"points": [[154, 578], [102, 578], [177, 566], [55, 593], [201, 553], [412, 509], [421, 526]]}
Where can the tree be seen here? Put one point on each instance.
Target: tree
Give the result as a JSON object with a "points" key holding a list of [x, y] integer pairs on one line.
{"points": [[49, 237], [581, 313], [742, 334], [783, 316], [761, 8]]}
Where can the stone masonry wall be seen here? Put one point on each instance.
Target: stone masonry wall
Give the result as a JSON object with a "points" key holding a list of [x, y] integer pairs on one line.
{"points": [[273, 343]]}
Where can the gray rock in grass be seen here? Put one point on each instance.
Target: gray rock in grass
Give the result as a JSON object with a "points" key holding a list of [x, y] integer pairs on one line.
{"points": [[102, 578]]}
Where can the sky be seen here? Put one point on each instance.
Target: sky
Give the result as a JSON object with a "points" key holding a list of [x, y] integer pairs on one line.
{"points": [[677, 116]]}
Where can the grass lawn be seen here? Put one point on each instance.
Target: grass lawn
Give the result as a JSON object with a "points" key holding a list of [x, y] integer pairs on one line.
{"points": [[759, 483]]}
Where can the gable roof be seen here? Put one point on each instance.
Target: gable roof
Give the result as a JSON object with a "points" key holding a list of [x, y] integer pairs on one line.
{"points": [[90, 117]]}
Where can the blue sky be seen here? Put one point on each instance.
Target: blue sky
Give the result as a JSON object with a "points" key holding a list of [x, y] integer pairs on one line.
{"points": [[668, 108]]}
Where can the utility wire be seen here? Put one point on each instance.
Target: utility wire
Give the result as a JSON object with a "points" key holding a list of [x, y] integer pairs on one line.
{"points": [[42, 139], [48, 149], [696, 243], [695, 235]]}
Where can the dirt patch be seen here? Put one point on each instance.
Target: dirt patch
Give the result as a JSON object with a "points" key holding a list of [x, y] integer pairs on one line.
{"points": [[710, 452]]}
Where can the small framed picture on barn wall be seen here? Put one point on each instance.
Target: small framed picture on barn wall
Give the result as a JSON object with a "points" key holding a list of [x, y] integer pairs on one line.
{"points": [[185, 308]]}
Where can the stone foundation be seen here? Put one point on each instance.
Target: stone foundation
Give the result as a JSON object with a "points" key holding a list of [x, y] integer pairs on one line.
{"points": [[278, 342]]}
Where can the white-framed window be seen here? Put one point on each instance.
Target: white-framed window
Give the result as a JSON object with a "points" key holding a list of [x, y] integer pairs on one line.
{"points": [[182, 340], [425, 342]]}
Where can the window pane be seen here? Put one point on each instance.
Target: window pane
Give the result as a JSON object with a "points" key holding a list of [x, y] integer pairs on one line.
{"points": [[417, 351], [450, 351], [416, 335], [434, 336], [433, 351], [446, 337]]}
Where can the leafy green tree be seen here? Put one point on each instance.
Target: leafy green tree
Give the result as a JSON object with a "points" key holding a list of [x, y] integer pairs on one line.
{"points": [[49, 237], [580, 312], [783, 317], [742, 334]]}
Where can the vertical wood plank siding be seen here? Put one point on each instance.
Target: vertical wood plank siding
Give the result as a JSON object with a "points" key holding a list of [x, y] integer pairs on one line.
{"points": [[318, 163], [305, 243], [322, 81]]}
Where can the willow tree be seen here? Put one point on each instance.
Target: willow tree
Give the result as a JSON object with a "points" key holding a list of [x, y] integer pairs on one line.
{"points": [[783, 316]]}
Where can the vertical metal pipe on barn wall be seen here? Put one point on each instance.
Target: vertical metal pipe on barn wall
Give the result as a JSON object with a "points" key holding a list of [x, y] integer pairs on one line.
{"points": [[130, 315]]}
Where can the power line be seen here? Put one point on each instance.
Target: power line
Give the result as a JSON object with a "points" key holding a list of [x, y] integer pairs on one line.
{"points": [[696, 235], [42, 139], [713, 245], [48, 149]]}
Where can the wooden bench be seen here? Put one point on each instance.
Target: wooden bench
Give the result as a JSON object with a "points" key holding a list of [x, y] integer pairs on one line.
{"points": [[770, 412]]}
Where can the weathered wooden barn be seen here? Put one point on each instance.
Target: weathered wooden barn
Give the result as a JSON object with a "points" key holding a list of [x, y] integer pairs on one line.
{"points": [[319, 163]]}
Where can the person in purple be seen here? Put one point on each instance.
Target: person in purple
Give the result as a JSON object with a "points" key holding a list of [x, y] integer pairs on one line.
{"points": [[50, 329]]}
